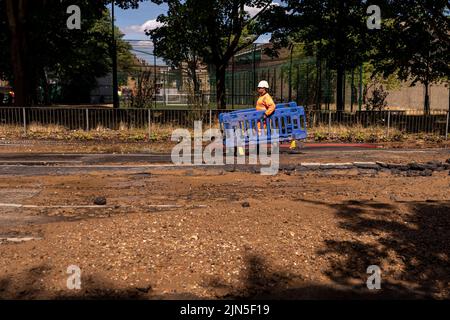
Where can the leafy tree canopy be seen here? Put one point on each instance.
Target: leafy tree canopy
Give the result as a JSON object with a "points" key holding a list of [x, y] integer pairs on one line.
{"points": [[38, 49]]}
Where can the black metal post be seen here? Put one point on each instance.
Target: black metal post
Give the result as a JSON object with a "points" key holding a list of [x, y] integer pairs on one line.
{"points": [[290, 74], [254, 72], [343, 91], [298, 84], [232, 83], [114, 61], [154, 76], [360, 100], [352, 90], [307, 85]]}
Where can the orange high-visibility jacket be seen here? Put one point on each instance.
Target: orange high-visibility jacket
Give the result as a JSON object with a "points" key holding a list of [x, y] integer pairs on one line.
{"points": [[265, 103]]}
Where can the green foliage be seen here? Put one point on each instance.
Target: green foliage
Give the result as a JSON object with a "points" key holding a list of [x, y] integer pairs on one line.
{"points": [[320, 136], [414, 42], [70, 60], [5, 69], [377, 101], [212, 31], [334, 31]]}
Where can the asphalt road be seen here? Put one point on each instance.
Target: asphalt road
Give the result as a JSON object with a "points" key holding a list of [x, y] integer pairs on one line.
{"points": [[55, 163]]}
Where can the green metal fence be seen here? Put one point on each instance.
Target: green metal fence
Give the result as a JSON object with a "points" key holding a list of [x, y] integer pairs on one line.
{"points": [[436, 122], [309, 82], [292, 77]]}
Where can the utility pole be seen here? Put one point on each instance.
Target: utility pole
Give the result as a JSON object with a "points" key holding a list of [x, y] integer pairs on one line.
{"points": [[114, 61]]}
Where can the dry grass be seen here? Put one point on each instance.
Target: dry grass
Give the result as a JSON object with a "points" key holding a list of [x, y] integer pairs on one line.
{"points": [[163, 133], [8, 132], [374, 134], [355, 133], [55, 132]]}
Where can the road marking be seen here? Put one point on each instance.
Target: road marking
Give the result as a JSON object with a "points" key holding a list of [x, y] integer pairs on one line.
{"points": [[40, 161], [32, 206], [16, 239], [129, 166]]}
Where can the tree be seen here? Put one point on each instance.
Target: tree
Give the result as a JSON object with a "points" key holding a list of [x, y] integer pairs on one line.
{"points": [[5, 66], [414, 43], [88, 57], [177, 42], [332, 30], [42, 49], [212, 30], [16, 12]]}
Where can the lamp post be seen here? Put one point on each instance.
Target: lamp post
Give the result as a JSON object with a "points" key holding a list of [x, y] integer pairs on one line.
{"points": [[114, 61]]}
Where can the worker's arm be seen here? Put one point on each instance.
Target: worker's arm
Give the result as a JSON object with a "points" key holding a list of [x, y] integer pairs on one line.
{"points": [[269, 104]]}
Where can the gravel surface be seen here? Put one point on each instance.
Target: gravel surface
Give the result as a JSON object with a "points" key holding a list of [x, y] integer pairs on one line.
{"points": [[200, 233]]}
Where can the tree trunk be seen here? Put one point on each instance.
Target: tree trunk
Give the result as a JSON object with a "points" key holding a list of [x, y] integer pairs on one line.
{"points": [[426, 107], [220, 87], [193, 74], [16, 14], [46, 88], [339, 89]]}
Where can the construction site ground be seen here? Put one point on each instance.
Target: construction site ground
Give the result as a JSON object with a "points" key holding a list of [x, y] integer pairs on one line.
{"points": [[194, 232]]}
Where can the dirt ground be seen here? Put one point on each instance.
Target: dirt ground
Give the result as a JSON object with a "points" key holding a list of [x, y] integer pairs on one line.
{"points": [[209, 233], [118, 147]]}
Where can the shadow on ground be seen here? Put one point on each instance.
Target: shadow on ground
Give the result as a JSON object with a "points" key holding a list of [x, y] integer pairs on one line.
{"points": [[412, 244]]}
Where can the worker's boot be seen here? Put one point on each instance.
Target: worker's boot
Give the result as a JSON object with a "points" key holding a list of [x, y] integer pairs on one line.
{"points": [[293, 145]]}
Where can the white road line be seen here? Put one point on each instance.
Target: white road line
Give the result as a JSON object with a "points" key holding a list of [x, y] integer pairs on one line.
{"points": [[127, 166], [40, 161], [31, 206]]}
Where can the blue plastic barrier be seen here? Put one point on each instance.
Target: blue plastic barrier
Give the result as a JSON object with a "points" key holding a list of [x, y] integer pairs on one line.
{"points": [[288, 119]]}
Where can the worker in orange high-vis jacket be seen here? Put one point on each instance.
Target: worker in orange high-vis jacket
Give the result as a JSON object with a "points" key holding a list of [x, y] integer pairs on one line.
{"points": [[264, 102]]}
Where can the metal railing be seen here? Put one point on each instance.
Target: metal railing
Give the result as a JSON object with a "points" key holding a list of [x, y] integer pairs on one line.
{"points": [[107, 118], [410, 121], [407, 121]]}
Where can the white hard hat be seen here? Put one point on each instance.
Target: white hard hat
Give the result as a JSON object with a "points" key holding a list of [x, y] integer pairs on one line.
{"points": [[263, 84]]}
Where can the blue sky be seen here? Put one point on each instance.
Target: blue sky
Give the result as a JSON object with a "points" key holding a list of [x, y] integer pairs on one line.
{"points": [[133, 22]]}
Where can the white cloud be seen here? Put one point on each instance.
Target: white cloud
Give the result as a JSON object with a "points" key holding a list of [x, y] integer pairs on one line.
{"points": [[264, 38], [144, 43], [147, 25], [252, 11], [139, 29]]}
